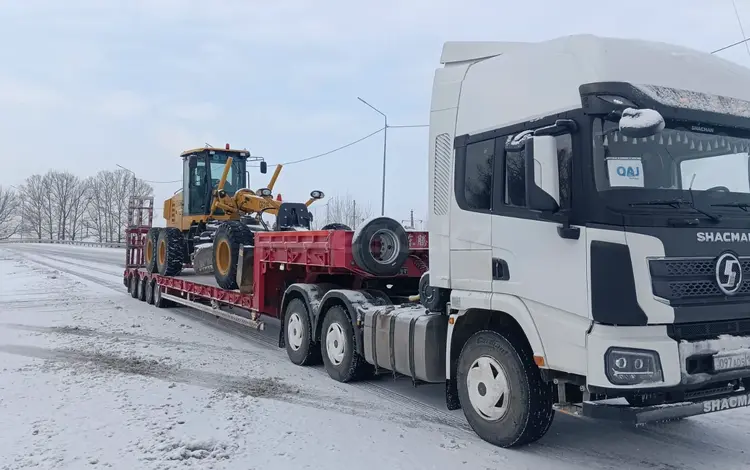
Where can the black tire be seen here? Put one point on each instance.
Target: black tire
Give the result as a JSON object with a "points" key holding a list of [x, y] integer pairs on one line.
{"points": [[433, 299], [393, 235], [529, 412], [149, 250], [159, 301], [142, 284], [150, 292], [170, 251], [297, 325], [336, 226], [226, 252], [351, 366], [133, 288]]}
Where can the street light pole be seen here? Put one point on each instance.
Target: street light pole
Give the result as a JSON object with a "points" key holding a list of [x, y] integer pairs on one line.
{"points": [[385, 151], [131, 171]]}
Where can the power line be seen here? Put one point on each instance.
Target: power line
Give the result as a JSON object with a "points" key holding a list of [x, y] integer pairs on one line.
{"points": [[731, 45], [742, 29], [337, 148], [329, 152]]}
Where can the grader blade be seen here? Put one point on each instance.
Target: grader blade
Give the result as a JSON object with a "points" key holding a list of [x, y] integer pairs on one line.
{"points": [[203, 259], [245, 269]]}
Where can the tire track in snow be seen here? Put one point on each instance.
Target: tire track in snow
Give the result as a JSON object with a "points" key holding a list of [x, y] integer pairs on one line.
{"points": [[408, 404]]}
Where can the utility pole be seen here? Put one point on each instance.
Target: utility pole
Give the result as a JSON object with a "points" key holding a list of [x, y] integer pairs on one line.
{"points": [[411, 220], [385, 151]]}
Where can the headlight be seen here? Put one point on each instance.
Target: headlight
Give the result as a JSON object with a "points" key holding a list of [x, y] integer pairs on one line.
{"points": [[632, 366], [265, 192], [317, 194]]}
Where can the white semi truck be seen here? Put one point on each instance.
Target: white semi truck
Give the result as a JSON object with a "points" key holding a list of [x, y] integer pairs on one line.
{"points": [[589, 231], [588, 241]]}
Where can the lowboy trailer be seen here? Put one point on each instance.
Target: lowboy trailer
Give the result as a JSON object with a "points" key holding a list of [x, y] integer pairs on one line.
{"points": [[587, 237]]}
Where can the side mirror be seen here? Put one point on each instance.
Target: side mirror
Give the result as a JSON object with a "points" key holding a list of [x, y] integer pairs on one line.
{"points": [[542, 174], [263, 167], [641, 122], [317, 194]]}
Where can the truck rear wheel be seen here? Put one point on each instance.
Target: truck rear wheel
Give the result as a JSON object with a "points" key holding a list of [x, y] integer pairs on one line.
{"points": [[341, 360], [149, 251], [503, 396], [299, 345], [227, 242], [170, 251]]}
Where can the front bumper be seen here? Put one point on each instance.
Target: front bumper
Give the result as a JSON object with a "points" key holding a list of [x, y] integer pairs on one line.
{"points": [[619, 410], [684, 364]]}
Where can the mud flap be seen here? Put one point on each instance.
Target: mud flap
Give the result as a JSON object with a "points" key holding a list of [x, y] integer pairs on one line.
{"points": [[245, 269], [203, 259]]}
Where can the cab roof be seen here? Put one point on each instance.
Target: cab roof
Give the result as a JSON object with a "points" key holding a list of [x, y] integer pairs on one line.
{"points": [[241, 152]]}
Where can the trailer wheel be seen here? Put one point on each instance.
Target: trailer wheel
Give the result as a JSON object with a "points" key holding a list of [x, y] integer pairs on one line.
{"points": [[341, 360], [299, 345], [381, 246], [503, 396], [159, 301], [229, 237], [133, 289], [336, 226], [149, 251], [142, 284], [170, 251], [150, 292]]}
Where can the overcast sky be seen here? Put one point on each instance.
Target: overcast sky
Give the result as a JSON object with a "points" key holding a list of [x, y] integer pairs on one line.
{"points": [[88, 84]]}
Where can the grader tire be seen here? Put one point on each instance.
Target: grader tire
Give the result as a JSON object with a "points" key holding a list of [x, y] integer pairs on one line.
{"points": [[227, 242], [149, 251], [170, 251]]}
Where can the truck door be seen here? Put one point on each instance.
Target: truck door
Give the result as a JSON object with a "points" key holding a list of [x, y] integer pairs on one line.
{"points": [[533, 263]]}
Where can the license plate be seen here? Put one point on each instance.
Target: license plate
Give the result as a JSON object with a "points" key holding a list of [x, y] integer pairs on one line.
{"points": [[732, 361]]}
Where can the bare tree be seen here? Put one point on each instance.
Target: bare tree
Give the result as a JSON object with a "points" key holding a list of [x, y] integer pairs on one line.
{"points": [[9, 223], [61, 205], [344, 210], [34, 197]]}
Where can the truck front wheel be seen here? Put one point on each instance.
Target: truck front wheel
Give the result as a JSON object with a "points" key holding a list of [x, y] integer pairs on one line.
{"points": [[503, 396]]}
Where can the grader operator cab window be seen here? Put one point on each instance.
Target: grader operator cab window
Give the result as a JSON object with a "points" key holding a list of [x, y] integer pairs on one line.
{"points": [[203, 172]]}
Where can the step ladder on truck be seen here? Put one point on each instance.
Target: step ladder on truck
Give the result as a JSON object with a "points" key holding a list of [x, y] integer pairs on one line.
{"points": [[588, 240]]}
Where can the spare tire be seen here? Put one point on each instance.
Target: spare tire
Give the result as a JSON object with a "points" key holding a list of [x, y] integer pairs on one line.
{"points": [[336, 226], [380, 246]]}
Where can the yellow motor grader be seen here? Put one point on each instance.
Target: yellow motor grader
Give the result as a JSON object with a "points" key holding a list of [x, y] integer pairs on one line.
{"points": [[214, 216]]}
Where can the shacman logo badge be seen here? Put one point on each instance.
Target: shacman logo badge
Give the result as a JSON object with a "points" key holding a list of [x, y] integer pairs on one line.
{"points": [[726, 403]]}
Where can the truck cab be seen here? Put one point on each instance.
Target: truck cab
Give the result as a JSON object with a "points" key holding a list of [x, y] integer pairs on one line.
{"points": [[590, 225]]}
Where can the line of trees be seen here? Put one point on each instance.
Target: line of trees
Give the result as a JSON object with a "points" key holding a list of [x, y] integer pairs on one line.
{"points": [[341, 209], [62, 206]]}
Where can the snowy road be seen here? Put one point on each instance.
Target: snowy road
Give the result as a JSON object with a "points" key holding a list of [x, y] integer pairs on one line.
{"points": [[92, 378]]}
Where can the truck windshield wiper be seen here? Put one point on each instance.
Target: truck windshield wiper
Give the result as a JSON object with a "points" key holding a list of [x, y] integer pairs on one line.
{"points": [[677, 203], [740, 205]]}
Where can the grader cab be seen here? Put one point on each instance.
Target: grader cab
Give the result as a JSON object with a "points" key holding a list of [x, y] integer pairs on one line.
{"points": [[215, 215]]}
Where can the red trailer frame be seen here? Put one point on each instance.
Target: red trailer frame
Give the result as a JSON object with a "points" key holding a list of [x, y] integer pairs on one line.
{"points": [[280, 259]]}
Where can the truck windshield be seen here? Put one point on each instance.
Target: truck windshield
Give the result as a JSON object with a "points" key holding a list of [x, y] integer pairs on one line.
{"points": [[713, 165]]}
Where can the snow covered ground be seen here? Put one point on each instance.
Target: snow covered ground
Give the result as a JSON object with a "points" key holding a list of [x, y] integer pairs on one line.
{"points": [[91, 378]]}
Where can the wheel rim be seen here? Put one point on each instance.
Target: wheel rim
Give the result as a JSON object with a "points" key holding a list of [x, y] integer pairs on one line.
{"points": [[335, 344], [157, 293], [149, 251], [489, 391], [223, 257], [162, 252], [294, 331], [384, 246]]}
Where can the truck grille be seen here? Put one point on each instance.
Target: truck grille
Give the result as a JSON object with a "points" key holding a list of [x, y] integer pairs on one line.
{"points": [[693, 280]]}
